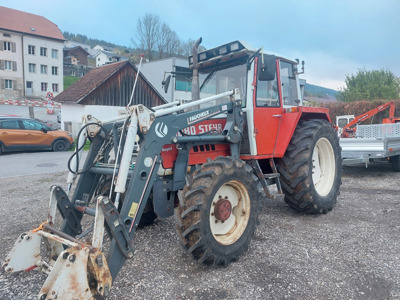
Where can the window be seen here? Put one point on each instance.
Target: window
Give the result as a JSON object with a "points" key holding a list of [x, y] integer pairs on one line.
{"points": [[54, 53], [43, 86], [267, 93], [43, 69], [7, 65], [54, 70], [55, 87], [10, 124], [6, 35], [8, 84], [33, 125], [288, 81], [183, 79], [29, 84], [7, 46], [43, 51], [32, 68], [31, 49]]}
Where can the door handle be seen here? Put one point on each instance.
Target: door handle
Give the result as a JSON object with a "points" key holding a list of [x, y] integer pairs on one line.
{"points": [[277, 116]]}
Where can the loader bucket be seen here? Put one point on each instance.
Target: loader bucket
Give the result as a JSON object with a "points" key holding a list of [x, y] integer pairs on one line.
{"points": [[78, 272]]}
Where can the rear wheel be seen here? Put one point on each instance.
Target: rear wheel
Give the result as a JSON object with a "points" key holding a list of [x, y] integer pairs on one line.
{"points": [[60, 145], [218, 211], [311, 168]]}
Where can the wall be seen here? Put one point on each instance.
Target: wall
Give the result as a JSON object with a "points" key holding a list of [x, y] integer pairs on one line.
{"points": [[15, 75], [74, 112], [37, 78], [101, 59], [154, 72]]}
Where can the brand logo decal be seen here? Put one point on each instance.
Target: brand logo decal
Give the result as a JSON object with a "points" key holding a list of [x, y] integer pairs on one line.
{"points": [[161, 129], [194, 118]]}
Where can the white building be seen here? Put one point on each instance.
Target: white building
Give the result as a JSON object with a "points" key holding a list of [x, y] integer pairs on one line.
{"points": [[103, 58], [31, 55], [180, 85]]}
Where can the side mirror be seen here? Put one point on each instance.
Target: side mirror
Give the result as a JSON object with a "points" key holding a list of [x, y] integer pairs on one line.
{"points": [[267, 69], [44, 130], [165, 83]]}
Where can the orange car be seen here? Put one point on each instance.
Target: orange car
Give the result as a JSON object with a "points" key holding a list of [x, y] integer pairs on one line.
{"points": [[21, 134]]}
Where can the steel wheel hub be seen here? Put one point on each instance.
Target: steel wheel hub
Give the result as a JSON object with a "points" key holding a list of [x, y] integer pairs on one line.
{"points": [[223, 209]]}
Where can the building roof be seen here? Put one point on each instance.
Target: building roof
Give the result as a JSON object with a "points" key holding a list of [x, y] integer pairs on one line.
{"points": [[110, 54], [93, 79], [23, 22], [75, 48]]}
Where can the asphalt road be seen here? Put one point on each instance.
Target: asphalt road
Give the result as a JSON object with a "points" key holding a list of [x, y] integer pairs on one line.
{"points": [[353, 252], [31, 163]]}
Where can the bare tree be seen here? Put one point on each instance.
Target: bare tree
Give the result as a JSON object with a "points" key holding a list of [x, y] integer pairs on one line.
{"points": [[187, 47], [147, 35], [154, 38]]}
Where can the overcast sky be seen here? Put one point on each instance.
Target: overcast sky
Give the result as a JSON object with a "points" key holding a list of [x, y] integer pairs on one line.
{"points": [[334, 37]]}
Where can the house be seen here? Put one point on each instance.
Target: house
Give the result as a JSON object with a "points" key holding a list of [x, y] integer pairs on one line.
{"points": [[104, 92], [105, 57], [75, 61], [31, 62], [72, 44], [101, 48], [180, 85]]}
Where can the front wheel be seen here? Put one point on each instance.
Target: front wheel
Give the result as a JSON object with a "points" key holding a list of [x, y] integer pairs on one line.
{"points": [[218, 210], [311, 168], [60, 145]]}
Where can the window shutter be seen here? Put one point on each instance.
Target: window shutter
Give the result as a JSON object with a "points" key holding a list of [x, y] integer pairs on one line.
{"points": [[14, 84], [1, 45], [3, 84], [1, 64], [14, 65], [13, 47]]}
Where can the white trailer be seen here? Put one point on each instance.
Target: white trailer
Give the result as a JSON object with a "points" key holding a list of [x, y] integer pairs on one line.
{"points": [[373, 143]]}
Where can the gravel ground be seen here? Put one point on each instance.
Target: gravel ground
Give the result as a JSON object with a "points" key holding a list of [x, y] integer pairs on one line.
{"points": [[351, 253]]}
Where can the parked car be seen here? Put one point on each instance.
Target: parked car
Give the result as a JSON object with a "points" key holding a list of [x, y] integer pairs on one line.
{"points": [[24, 134]]}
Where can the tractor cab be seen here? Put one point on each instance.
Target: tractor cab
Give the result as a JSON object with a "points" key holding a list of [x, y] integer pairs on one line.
{"points": [[269, 86]]}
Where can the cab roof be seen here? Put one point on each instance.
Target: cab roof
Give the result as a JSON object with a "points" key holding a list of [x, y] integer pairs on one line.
{"points": [[228, 52]]}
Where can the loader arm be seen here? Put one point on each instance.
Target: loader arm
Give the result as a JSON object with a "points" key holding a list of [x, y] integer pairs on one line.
{"points": [[134, 180], [349, 130], [164, 130]]}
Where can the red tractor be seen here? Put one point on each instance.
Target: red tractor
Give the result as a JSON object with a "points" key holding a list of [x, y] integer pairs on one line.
{"points": [[211, 161]]}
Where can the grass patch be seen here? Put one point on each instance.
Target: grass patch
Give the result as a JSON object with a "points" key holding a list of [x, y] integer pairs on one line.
{"points": [[85, 148], [69, 80]]}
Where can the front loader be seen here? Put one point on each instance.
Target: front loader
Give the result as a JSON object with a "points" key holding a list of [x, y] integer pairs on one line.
{"points": [[210, 162]]}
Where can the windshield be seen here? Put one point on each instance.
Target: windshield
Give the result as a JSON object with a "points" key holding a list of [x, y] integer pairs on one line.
{"points": [[219, 81]]}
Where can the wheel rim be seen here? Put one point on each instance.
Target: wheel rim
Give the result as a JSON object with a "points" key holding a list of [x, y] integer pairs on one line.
{"points": [[324, 167], [230, 212], [60, 146]]}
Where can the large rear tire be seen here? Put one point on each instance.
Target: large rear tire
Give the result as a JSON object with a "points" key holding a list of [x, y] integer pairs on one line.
{"points": [[218, 210], [311, 169]]}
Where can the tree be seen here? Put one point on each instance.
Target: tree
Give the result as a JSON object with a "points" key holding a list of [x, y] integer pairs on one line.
{"points": [[168, 43], [187, 47], [370, 85], [147, 35]]}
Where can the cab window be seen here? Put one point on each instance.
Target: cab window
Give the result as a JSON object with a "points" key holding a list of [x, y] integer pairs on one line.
{"points": [[267, 93], [288, 81]]}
